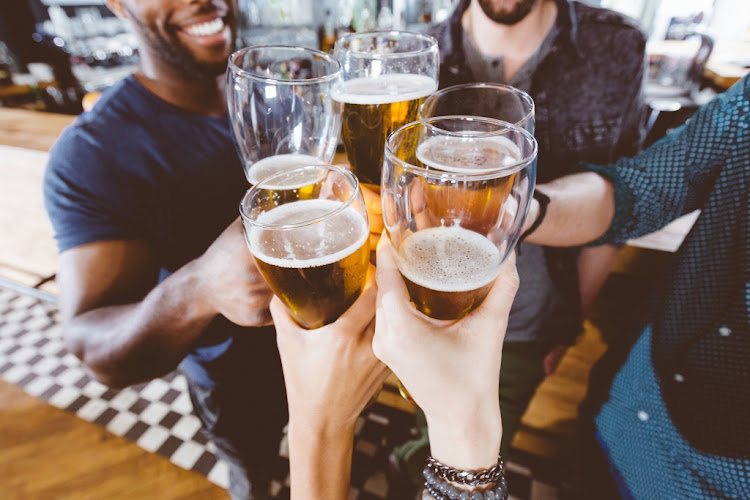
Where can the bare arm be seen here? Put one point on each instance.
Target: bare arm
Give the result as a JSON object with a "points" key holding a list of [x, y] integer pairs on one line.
{"points": [[126, 328], [594, 265], [581, 210], [330, 374], [449, 367]]}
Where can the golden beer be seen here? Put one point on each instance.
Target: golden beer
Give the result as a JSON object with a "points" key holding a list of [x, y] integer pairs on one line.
{"points": [[448, 270], [318, 270], [475, 205], [303, 185], [272, 165], [373, 108]]}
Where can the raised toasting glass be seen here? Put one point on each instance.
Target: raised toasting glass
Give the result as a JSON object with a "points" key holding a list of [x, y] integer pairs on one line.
{"points": [[455, 192], [490, 100], [280, 108], [308, 232], [386, 76]]}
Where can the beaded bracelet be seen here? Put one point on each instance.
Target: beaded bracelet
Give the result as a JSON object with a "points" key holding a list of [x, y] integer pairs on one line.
{"points": [[441, 490]]}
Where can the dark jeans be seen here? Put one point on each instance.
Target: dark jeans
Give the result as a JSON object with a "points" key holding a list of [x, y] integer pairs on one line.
{"points": [[521, 372], [245, 412]]}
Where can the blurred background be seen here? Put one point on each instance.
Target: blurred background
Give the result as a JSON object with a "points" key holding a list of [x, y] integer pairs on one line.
{"points": [[55, 52]]}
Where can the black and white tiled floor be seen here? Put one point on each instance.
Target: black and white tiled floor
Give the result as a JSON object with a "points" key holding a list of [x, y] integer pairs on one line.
{"points": [[158, 415]]}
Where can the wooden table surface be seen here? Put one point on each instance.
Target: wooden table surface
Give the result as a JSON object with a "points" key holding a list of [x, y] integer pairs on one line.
{"points": [[49, 454]]}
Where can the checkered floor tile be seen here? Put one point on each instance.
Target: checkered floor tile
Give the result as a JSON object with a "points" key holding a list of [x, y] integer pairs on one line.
{"points": [[158, 415]]}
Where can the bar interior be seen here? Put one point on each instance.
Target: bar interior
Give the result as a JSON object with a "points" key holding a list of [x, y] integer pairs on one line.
{"points": [[129, 370]]}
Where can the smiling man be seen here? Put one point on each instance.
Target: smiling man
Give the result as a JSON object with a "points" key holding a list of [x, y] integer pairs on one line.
{"points": [[154, 272]]}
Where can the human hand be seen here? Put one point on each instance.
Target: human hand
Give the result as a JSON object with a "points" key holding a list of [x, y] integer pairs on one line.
{"points": [[330, 372], [451, 368], [230, 282], [553, 358]]}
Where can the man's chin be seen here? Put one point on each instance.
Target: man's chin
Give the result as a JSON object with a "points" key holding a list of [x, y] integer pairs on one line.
{"points": [[508, 17]]}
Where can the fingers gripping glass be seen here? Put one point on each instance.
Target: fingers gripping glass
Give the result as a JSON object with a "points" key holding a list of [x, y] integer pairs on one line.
{"points": [[455, 193], [280, 109], [307, 230]]}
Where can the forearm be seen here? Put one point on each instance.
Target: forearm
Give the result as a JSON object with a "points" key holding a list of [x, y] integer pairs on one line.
{"points": [[125, 344], [594, 266], [580, 210], [320, 461]]}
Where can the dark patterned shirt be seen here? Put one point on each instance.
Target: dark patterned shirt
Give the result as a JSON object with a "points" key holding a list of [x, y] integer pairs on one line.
{"points": [[701, 330], [587, 93]]}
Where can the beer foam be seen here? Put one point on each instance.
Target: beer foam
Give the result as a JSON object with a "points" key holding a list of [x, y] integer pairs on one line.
{"points": [[468, 154], [320, 244], [276, 164], [449, 259], [385, 89]]}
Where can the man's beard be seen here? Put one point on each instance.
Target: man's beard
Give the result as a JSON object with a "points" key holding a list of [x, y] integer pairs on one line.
{"points": [[171, 50], [509, 17]]}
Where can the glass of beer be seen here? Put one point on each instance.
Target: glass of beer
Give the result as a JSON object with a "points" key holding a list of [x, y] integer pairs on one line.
{"points": [[314, 252], [455, 192], [386, 77], [490, 100], [280, 108]]}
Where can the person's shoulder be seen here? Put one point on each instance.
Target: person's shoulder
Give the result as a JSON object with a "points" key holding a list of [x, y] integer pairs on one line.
{"points": [[594, 17], [439, 30], [601, 21], [116, 114], [442, 33], [608, 39], [124, 103]]}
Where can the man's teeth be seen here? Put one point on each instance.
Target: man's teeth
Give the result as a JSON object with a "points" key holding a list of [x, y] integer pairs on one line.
{"points": [[205, 29]]}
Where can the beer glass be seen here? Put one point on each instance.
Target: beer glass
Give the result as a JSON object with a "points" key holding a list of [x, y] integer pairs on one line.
{"points": [[490, 100], [280, 108], [455, 193], [386, 77], [312, 251]]}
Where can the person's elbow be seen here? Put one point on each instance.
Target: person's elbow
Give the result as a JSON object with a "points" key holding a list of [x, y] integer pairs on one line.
{"points": [[103, 371]]}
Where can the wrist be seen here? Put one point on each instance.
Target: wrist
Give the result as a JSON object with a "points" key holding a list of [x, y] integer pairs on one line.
{"points": [[320, 461], [470, 441], [535, 216], [194, 279], [319, 431]]}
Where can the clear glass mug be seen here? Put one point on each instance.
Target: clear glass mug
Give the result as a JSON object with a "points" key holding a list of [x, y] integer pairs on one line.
{"points": [[455, 192], [490, 100], [386, 76], [308, 232], [280, 108]]}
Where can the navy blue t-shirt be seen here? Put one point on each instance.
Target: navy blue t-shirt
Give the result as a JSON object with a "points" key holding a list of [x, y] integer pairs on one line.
{"points": [[137, 167]]}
